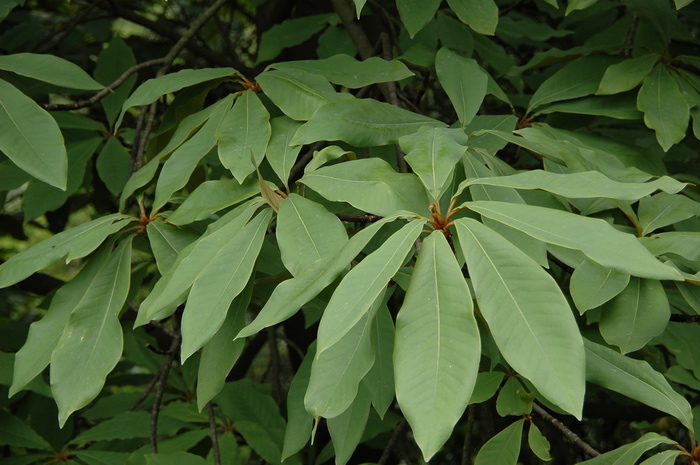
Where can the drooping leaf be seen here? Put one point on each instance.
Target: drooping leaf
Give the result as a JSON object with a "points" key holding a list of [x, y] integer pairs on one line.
{"points": [[487, 383], [594, 237], [665, 109], [577, 79], [464, 82], [379, 381], [174, 458], [627, 74], [299, 422], [153, 89], [211, 197], [512, 400], [49, 68], [683, 243], [346, 429], [298, 93], [307, 232], [337, 371], [289, 33], [574, 5], [667, 457], [327, 154], [415, 14], [361, 122], [91, 343], [181, 163], [437, 348], [629, 453], [636, 315], [31, 138], [167, 241], [221, 352], [280, 154], [348, 72], [618, 106], [113, 165], [370, 185], [480, 15], [360, 287], [219, 282], [503, 448], [662, 210], [290, 295], [538, 443], [635, 379], [592, 285], [44, 334], [243, 135], [587, 184], [71, 244], [521, 303], [15, 433], [111, 63]]}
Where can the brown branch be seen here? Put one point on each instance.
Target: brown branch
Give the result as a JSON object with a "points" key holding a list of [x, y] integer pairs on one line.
{"points": [[573, 437], [678, 318], [355, 31], [629, 40], [274, 365], [467, 444], [358, 218], [104, 92], [214, 436], [155, 411], [386, 453]]}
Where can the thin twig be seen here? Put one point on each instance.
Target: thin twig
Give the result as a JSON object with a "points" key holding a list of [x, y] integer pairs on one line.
{"points": [[147, 391], [104, 92], [467, 444], [386, 453], [358, 218], [629, 40], [679, 318], [573, 437], [274, 365], [56, 38], [155, 411], [214, 436]]}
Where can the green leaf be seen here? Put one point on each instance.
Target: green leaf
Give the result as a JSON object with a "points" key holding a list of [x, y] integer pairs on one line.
{"points": [[480, 15], [127, 425], [359, 4], [503, 448], [299, 422], [464, 82], [219, 282], [592, 285], [167, 241], [667, 457], [521, 303], [487, 383], [574, 5], [91, 343], [31, 138], [111, 63], [538, 443], [433, 154], [280, 154], [683, 243], [361, 122], [44, 334], [191, 262], [153, 89], [71, 244], [627, 74], [618, 106], [357, 291], [379, 381], [289, 296], [665, 109], [221, 352], [175, 458], [296, 92], [243, 135], [327, 154], [635, 379], [437, 348], [102, 457], [370, 185], [577, 79], [307, 232], [113, 165], [348, 72], [346, 429], [49, 68], [636, 315], [662, 210], [289, 33], [337, 371], [415, 14], [582, 185], [211, 197], [182, 162], [510, 399], [596, 238], [13, 432], [629, 453]]}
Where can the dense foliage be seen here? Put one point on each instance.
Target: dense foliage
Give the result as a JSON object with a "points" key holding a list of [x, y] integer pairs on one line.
{"points": [[391, 231]]}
